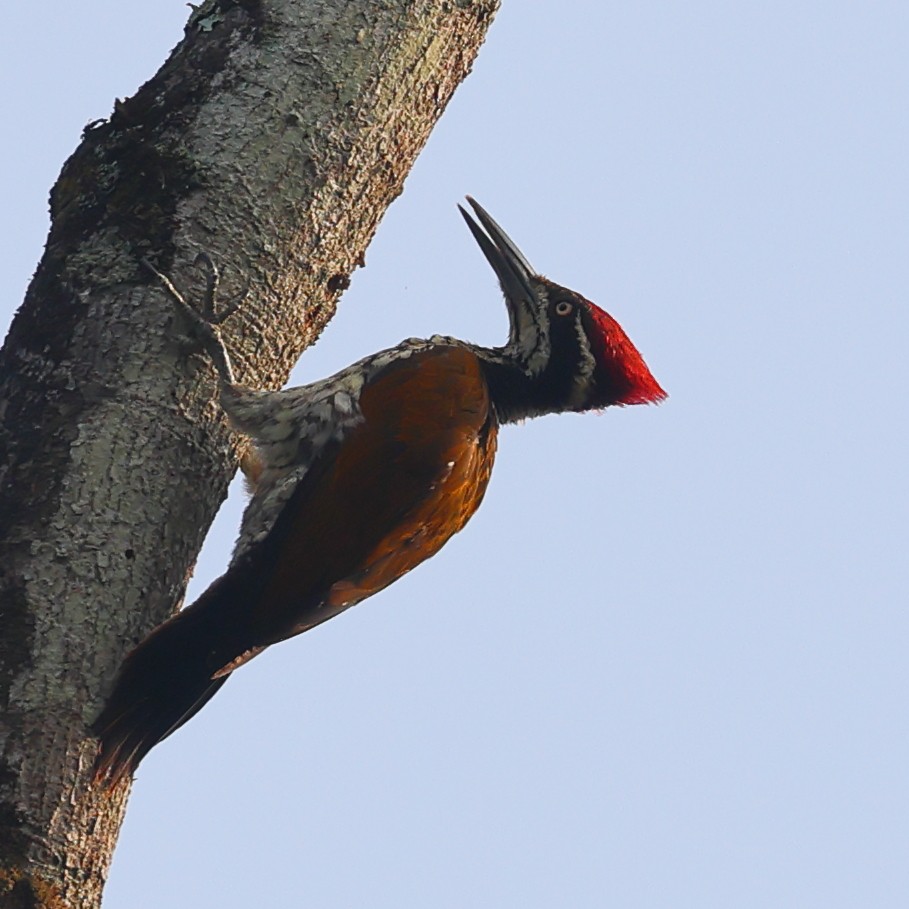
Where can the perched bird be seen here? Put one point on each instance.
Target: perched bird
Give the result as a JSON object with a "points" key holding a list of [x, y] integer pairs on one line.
{"points": [[361, 477]]}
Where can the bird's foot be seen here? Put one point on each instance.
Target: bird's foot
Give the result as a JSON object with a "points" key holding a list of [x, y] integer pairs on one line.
{"points": [[208, 316], [212, 283]]}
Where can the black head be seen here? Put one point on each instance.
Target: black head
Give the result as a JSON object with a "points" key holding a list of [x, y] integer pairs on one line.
{"points": [[564, 353]]}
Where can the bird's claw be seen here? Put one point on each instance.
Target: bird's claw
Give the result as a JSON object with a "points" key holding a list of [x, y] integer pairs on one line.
{"points": [[206, 318], [212, 285]]}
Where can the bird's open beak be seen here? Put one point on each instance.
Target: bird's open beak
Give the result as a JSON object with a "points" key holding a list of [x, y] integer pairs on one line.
{"points": [[514, 271]]}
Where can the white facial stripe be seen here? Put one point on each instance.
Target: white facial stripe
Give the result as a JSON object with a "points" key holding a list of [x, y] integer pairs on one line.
{"points": [[530, 334]]}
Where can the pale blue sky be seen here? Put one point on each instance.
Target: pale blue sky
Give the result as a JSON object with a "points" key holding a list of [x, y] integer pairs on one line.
{"points": [[665, 665]]}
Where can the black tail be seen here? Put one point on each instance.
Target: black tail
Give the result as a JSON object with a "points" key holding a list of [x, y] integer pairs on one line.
{"points": [[165, 681]]}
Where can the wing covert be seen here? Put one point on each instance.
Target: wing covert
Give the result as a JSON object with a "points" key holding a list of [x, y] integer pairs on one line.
{"points": [[402, 482]]}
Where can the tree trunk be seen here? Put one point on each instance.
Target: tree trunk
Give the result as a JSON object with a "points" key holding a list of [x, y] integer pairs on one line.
{"points": [[273, 139]]}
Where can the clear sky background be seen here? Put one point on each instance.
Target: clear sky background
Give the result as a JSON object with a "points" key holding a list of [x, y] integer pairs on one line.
{"points": [[666, 663]]}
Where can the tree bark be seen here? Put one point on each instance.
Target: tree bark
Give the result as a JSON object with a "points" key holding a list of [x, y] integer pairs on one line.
{"points": [[273, 138]]}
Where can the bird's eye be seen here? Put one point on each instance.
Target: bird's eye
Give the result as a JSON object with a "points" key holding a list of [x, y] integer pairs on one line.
{"points": [[563, 308]]}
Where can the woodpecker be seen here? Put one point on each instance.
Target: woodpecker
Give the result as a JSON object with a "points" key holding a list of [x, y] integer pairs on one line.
{"points": [[360, 477]]}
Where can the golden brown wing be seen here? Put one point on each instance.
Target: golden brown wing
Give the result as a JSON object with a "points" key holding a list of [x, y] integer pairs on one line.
{"points": [[406, 479]]}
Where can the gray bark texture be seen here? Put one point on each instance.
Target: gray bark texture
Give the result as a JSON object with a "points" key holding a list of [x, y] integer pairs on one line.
{"points": [[273, 138]]}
